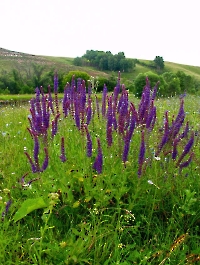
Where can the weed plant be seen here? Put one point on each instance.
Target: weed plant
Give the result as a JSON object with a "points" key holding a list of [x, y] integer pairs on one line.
{"points": [[100, 180]]}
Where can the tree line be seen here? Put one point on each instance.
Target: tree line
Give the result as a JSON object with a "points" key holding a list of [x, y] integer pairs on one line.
{"points": [[170, 84], [105, 61], [18, 81]]}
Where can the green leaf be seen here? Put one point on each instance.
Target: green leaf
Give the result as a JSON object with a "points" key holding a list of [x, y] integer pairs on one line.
{"points": [[28, 206]]}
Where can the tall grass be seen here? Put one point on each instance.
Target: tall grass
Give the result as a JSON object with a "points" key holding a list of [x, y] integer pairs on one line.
{"points": [[95, 206]]}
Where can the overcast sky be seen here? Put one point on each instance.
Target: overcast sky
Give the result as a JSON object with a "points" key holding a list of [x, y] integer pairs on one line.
{"points": [[140, 28]]}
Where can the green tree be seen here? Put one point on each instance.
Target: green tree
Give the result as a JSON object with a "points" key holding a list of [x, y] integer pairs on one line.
{"points": [[77, 74], [6, 82], [78, 61], [109, 82], [186, 81], [159, 63], [140, 82], [173, 83]]}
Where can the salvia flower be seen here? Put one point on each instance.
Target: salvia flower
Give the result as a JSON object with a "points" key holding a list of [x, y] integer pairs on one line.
{"points": [[89, 111], [187, 149], [36, 151], [54, 129], [77, 114], [97, 106], [141, 154], [98, 163], [89, 141], [33, 166], [56, 91], [187, 162], [109, 122], [105, 90], [153, 96], [126, 150], [50, 100], [46, 160], [174, 150], [8, 204]]}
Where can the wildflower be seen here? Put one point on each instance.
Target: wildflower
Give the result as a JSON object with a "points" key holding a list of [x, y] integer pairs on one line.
{"points": [[97, 106], [187, 148], [55, 125], [77, 113], [99, 159], [150, 182], [46, 160], [109, 136], [8, 204], [109, 122], [155, 91], [89, 142], [36, 151], [89, 111], [56, 91], [174, 151], [104, 101], [50, 100], [186, 163], [33, 167], [62, 151], [56, 83], [126, 150], [141, 154]]}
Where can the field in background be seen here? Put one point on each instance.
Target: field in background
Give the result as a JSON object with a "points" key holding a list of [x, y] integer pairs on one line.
{"points": [[13, 59]]}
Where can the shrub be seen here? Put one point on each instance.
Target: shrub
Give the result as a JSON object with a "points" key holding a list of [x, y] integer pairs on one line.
{"points": [[140, 82]]}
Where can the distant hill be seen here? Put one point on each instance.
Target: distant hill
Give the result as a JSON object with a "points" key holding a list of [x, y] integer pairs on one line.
{"points": [[13, 59]]}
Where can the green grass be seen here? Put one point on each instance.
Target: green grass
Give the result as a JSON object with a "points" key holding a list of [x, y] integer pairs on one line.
{"points": [[89, 218]]}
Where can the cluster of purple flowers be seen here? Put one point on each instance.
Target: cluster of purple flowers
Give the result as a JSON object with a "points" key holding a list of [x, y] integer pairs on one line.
{"points": [[119, 114], [173, 137], [41, 108]]}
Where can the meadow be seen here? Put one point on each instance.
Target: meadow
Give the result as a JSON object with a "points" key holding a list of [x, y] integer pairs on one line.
{"points": [[100, 179]]}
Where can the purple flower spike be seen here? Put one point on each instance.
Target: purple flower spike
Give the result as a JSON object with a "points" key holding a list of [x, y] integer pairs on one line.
{"points": [[36, 151], [46, 160], [155, 91], [56, 83], [56, 91], [50, 100], [77, 114], [186, 163], [98, 164], [141, 154], [89, 111], [104, 101], [89, 142], [174, 151], [55, 126], [8, 204], [63, 156], [109, 136], [126, 150], [33, 167], [187, 149], [97, 105]]}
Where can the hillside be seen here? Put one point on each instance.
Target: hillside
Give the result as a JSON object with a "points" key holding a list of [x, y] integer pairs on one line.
{"points": [[21, 61]]}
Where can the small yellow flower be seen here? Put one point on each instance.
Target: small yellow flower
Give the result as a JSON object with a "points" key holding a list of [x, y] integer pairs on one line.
{"points": [[63, 244], [6, 191]]}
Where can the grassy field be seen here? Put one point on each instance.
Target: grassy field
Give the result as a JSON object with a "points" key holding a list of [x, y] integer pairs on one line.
{"points": [[100, 182]]}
